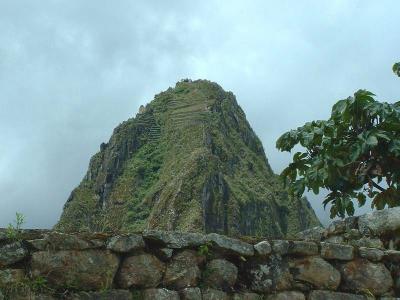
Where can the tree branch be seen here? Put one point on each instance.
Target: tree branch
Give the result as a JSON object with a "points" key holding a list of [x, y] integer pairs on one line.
{"points": [[377, 186]]}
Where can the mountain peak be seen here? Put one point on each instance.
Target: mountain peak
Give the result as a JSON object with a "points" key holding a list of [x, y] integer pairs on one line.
{"points": [[188, 161]]}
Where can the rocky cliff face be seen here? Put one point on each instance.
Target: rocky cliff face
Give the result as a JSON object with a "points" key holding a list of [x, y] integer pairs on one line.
{"points": [[188, 161]]}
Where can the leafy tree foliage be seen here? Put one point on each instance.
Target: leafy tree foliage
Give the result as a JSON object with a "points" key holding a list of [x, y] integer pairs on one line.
{"points": [[396, 69], [353, 154]]}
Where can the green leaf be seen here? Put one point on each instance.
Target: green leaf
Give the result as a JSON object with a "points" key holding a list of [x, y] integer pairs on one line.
{"points": [[394, 147], [372, 141], [315, 190], [298, 187], [383, 136], [287, 141], [340, 107], [396, 69], [355, 152], [361, 199], [350, 209]]}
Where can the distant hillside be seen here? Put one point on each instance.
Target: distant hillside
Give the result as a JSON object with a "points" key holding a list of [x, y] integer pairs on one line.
{"points": [[188, 161]]}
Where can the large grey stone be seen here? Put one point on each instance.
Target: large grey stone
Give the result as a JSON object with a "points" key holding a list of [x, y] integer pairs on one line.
{"points": [[12, 253], [80, 270], [220, 274], [371, 254], [283, 247], [191, 293], [312, 234], [246, 296], [163, 253], [63, 241], [337, 251], [97, 243], [290, 295], [182, 271], [174, 239], [328, 295], [143, 271], [316, 271], [362, 275], [392, 255], [380, 222], [352, 234], [303, 248], [39, 244], [103, 295], [261, 278], [280, 247], [212, 294], [342, 226], [11, 276], [54, 240], [230, 245], [263, 248], [367, 242], [267, 276], [335, 239], [125, 243], [159, 294]]}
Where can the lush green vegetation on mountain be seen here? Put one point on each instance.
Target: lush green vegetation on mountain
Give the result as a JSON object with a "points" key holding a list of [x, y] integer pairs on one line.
{"points": [[188, 161]]}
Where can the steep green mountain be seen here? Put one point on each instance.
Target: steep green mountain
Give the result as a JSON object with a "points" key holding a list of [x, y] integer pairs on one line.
{"points": [[188, 161]]}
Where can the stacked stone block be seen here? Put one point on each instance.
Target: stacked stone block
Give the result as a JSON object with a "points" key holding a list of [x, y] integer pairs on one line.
{"points": [[328, 264]]}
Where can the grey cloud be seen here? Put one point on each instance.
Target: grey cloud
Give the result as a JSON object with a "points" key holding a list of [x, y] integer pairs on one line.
{"points": [[70, 71]]}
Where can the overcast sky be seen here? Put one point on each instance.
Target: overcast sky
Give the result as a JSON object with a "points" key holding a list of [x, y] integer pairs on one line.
{"points": [[70, 71]]}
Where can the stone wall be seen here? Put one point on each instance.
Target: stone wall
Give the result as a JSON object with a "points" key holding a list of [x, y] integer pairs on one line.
{"points": [[357, 258]]}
